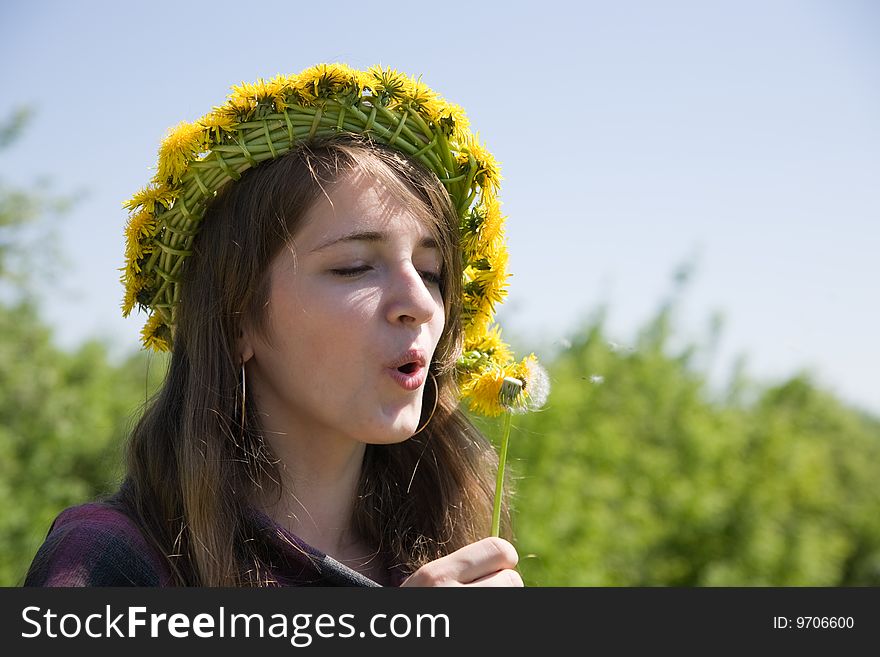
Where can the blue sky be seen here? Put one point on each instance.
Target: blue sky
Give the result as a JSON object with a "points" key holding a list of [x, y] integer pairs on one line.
{"points": [[743, 137]]}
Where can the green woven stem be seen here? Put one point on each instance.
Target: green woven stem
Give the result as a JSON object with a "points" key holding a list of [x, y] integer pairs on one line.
{"points": [[427, 135], [259, 150], [433, 164]]}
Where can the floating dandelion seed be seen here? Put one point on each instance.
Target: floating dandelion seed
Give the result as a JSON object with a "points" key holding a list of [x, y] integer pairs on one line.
{"points": [[614, 346], [597, 379]]}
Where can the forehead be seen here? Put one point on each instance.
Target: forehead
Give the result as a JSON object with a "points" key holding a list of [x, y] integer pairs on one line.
{"points": [[361, 201]]}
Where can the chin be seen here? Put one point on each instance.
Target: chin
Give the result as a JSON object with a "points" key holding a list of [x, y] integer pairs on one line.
{"points": [[393, 432], [398, 434]]}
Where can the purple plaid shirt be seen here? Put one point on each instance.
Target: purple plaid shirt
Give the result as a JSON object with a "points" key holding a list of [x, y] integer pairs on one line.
{"points": [[96, 544]]}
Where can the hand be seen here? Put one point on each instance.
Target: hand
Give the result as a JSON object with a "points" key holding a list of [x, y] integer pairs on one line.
{"points": [[488, 562]]}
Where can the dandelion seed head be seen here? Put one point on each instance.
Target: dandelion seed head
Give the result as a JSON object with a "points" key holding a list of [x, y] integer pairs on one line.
{"points": [[510, 389], [536, 388]]}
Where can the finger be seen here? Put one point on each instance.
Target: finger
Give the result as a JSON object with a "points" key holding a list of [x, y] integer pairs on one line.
{"points": [[479, 559], [507, 577]]}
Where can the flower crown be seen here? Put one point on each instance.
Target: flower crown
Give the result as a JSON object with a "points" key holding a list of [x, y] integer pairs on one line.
{"points": [[266, 119]]}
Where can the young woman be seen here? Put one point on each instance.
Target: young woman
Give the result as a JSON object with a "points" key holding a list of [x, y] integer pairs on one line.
{"points": [[309, 430]]}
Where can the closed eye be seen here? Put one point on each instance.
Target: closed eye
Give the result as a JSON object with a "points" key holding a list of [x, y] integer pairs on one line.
{"points": [[427, 276], [349, 273], [431, 277]]}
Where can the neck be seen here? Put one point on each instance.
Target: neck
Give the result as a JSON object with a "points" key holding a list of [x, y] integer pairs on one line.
{"points": [[319, 487]]}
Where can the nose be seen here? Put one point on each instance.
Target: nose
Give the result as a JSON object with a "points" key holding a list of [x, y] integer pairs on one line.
{"points": [[411, 300]]}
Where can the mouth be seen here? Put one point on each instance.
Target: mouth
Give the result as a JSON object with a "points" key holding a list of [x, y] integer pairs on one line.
{"points": [[410, 370]]}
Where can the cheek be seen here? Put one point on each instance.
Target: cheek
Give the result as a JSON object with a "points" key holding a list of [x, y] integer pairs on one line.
{"points": [[324, 330]]}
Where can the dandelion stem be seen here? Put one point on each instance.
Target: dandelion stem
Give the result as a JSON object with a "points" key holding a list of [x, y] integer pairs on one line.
{"points": [[499, 481]]}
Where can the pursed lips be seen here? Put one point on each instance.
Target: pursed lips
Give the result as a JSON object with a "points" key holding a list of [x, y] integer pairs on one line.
{"points": [[409, 370]]}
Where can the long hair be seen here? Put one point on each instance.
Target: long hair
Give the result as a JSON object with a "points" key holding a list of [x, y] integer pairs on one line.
{"points": [[195, 461]]}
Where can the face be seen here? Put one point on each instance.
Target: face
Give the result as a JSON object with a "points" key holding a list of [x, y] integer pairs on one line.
{"points": [[354, 316]]}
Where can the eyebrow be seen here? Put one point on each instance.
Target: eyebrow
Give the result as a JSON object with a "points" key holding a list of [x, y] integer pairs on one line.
{"points": [[373, 236]]}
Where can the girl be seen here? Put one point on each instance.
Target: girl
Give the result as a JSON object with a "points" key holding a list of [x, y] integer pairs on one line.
{"points": [[308, 431]]}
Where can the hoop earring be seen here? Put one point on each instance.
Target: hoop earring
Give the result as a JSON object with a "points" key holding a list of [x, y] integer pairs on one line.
{"points": [[243, 401], [436, 398]]}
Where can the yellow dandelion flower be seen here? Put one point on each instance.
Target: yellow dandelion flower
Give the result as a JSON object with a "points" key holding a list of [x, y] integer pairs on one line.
{"points": [[488, 172], [496, 278], [492, 230], [469, 231], [133, 286], [155, 334], [325, 80], [247, 96], [149, 196], [277, 89], [483, 390], [422, 95], [135, 251], [390, 84], [304, 83], [215, 124], [181, 145], [131, 275], [482, 229], [240, 100], [237, 107], [496, 253], [466, 166], [341, 73], [475, 324], [484, 285], [487, 284], [451, 118], [471, 288], [485, 341], [363, 79], [286, 92], [140, 224], [496, 289], [490, 344], [128, 301]]}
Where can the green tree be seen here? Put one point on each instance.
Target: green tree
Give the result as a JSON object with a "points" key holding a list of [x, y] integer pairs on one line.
{"points": [[63, 415], [63, 420], [647, 478]]}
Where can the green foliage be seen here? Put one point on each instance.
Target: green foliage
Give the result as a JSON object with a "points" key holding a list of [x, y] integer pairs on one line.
{"points": [[63, 419], [644, 480], [63, 416]]}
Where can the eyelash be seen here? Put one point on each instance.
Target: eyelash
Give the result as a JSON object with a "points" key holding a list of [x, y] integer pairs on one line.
{"points": [[431, 277]]}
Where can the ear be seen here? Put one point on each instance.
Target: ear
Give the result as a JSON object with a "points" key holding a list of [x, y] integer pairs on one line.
{"points": [[245, 345]]}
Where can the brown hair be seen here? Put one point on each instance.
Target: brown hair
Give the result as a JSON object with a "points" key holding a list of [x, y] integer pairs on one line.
{"points": [[194, 464]]}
